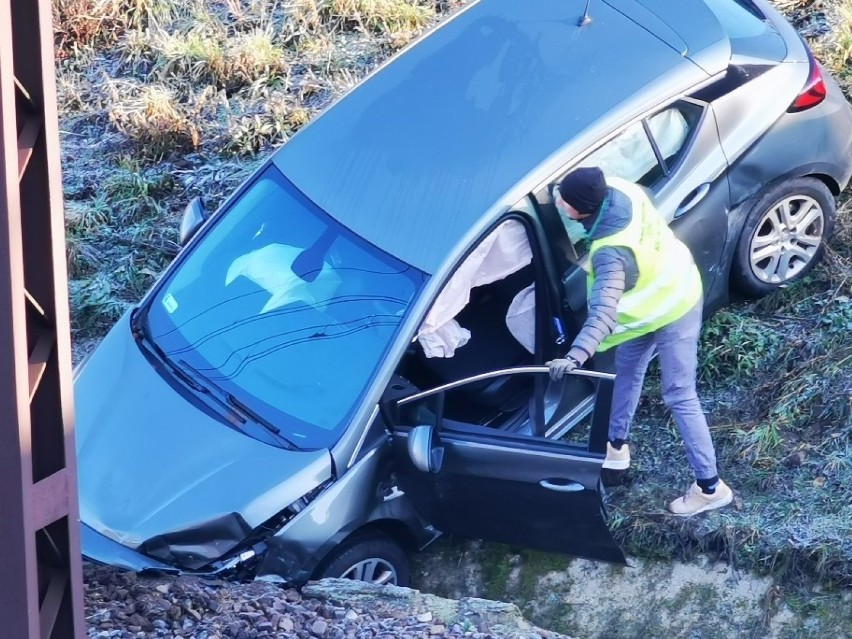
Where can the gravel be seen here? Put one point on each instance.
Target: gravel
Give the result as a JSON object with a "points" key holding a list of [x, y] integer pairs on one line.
{"points": [[125, 605]]}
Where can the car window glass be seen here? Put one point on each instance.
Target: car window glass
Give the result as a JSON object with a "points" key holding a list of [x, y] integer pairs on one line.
{"points": [[629, 156], [271, 298], [671, 129], [471, 407]]}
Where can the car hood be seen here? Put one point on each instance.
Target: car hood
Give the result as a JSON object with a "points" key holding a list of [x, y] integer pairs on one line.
{"points": [[151, 463]]}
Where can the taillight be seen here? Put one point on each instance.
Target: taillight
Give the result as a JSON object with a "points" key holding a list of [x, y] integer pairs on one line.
{"points": [[814, 90]]}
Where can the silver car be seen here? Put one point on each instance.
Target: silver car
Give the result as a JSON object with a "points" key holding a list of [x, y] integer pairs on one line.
{"points": [[346, 359]]}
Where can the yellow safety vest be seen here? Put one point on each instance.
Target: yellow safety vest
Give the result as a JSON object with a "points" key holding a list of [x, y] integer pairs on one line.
{"points": [[669, 283]]}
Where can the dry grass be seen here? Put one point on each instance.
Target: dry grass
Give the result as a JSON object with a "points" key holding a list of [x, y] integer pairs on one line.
{"points": [[206, 54], [196, 90], [153, 121], [81, 23], [383, 16]]}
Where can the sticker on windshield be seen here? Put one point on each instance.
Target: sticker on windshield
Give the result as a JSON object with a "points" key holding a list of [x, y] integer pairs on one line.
{"points": [[170, 303]]}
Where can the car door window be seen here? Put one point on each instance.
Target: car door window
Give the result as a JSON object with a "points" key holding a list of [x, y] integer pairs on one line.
{"points": [[671, 130], [647, 153], [629, 156], [648, 150]]}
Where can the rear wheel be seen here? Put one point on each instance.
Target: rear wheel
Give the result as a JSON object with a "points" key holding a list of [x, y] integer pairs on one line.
{"points": [[371, 557], [784, 236]]}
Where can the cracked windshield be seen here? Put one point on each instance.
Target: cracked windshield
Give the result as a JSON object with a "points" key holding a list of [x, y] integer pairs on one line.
{"points": [[275, 302]]}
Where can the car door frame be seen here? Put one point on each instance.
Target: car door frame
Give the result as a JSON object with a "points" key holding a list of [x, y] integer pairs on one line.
{"points": [[586, 461], [482, 474]]}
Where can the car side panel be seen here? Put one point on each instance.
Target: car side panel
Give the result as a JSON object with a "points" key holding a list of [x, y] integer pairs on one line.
{"points": [[364, 494], [741, 123], [813, 142], [704, 227]]}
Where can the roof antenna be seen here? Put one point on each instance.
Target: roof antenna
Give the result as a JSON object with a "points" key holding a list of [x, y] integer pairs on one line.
{"points": [[586, 19]]}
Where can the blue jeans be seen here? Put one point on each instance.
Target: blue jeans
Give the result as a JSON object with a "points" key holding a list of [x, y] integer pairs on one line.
{"points": [[677, 346]]}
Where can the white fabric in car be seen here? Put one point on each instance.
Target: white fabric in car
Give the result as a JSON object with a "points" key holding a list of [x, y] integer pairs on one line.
{"points": [[669, 129], [520, 318], [630, 155], [271, 268], [504, 251]]}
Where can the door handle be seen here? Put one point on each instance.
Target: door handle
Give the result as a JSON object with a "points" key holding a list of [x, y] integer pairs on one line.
{"points": [[692, 199], [563, 485]]}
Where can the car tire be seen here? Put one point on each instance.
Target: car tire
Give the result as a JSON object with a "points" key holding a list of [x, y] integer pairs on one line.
{"points": [[372, 557], [784, 236]]}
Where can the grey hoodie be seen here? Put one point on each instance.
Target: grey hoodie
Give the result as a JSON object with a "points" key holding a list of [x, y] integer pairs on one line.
{"points": [[615, 271]]}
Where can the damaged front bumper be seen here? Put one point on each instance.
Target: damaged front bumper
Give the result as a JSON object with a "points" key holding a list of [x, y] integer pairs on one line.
{"points": [[101, 549]]}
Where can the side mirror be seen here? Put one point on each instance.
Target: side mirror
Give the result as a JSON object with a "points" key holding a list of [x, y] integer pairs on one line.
{"points": [[193, 217], [424, 454]]}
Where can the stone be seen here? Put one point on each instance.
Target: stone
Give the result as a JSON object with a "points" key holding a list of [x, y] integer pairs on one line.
{"points": [[162, 589], [425, 617], [319, 627], [138, 620]]}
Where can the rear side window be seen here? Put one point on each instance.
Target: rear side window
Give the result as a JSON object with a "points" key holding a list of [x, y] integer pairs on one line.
{"points": [[671, 130], [750, 33], [630, 156], [648, 150]]}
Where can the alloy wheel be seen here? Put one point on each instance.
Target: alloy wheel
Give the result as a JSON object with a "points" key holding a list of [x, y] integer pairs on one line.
{"points": [[786, 239], [375, 570]]}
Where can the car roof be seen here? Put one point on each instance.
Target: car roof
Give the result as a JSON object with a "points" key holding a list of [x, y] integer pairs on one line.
{"points": [[420, 152]]}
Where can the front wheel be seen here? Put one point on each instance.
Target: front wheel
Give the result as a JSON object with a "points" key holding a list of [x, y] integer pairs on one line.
{"points": [[372, 557], [784, 236]]}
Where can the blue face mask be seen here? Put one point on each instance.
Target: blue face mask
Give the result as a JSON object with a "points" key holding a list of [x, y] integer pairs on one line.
{"points": [[575, 229]]}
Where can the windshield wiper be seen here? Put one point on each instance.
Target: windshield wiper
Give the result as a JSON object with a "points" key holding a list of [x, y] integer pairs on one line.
{"points": [[240, 410], [140, 334], [251, 414]]}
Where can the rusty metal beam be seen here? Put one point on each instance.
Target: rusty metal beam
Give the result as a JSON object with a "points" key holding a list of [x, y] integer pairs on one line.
{"points": [[40, 565]]}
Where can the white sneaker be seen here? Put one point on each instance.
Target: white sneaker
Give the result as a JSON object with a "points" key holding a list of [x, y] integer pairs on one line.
{"points": [[697, 501], [617, 459]]}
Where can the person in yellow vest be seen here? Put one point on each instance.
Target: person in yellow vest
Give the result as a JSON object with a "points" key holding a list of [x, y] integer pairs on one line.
{"points": [[645, 296]]}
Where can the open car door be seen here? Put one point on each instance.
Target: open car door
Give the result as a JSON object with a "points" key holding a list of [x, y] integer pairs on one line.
{"points": [[504, 484]]}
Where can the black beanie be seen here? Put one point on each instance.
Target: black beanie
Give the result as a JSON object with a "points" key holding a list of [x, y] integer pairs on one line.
{"points": [[584, 189]]}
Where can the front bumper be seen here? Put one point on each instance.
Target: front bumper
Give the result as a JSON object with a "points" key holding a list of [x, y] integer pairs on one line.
{"points": [[103, 550]]}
